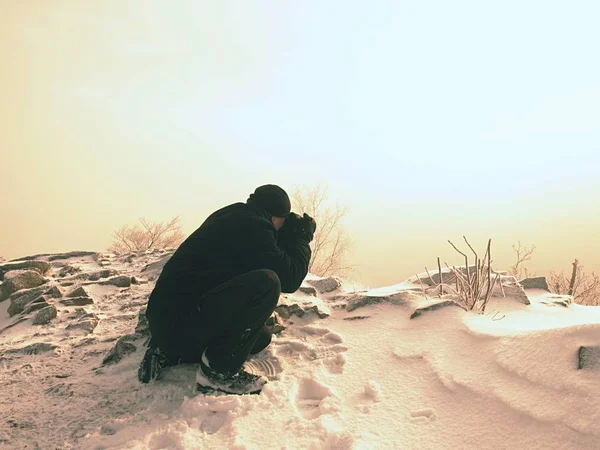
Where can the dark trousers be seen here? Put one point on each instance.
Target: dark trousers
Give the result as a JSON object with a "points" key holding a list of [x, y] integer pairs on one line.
{"points": [[228, 322]]}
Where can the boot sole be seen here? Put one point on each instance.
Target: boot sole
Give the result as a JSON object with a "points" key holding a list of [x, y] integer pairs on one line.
{"points": [[208, 390]]}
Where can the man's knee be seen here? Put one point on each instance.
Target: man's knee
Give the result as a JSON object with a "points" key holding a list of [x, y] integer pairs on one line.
{"points": [[269, 281]]}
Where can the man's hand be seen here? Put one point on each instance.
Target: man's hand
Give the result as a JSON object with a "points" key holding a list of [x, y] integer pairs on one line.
{"points": [[298, 227], [307, 227]]}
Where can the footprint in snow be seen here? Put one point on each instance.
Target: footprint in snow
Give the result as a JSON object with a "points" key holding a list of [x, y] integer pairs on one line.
{"points": [[314, 399], [422, 415], [264, 363], [317, 344]]}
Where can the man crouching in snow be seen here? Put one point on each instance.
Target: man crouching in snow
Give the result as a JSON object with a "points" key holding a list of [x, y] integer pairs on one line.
{"points": [[214, 295]]}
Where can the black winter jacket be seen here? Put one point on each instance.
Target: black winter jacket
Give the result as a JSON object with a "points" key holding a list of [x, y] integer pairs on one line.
{"points": [[233, 240]]}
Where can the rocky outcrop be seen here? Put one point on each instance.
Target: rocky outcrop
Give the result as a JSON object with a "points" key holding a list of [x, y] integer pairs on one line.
{"points": [[19, 300], [420, 311], [23, 280], [535, 283], [42, 267], [45, 315], [326, 285]]}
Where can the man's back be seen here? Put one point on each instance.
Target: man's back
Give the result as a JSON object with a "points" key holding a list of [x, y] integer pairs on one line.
{"points": [[233, 240]]}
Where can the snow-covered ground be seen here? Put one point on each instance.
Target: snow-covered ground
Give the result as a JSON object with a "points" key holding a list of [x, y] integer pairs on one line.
{"points": [[367, 376]]}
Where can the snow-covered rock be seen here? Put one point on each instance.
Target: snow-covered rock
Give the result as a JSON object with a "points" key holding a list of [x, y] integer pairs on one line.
{"points": [[22, 280], [433, 307], [39, 266], [325, 285], [535, 283]]}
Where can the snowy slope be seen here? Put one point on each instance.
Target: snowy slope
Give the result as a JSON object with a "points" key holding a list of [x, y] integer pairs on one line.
{"points": [[367, 376]]}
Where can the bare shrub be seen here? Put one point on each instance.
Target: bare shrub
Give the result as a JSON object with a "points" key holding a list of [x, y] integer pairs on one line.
{"points": [[585, 288], [147, 235], [523, 254], [471, 285], [331, 243]]}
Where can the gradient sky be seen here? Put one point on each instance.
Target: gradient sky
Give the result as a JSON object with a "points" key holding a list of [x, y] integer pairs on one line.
{"points": [[429, 119]]}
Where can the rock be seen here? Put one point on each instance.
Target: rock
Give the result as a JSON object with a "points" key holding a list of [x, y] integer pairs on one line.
{"points": [[79, 292], [535, 283], [107, 430], [105, 273], [511, 288], [25, 280], [34, 349], [121, 281], [420, 311], [142, 327], [121, 348], [87, 323], [558, 300], [54, 292], [356, 318], [19, 300], [68, 270], [286, 311], [92, 276], [309, 290], [275, 324], [1, 274], [153, 270], [45, 315], [325, 285], [42, 267], [434, 276], [39, 303], [77, 301], [75, 254], [589, 358], [359, 301]]}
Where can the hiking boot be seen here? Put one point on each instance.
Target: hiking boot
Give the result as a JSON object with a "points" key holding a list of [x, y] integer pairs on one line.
{"points": [[209, 381], [154, 360]]}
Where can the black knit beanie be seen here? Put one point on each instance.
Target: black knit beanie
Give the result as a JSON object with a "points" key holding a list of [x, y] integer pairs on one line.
{"points": [[272, 199]]}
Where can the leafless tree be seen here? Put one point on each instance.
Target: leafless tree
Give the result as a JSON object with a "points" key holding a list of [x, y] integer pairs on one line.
{"points": [[331, 244], [147, 235], [523, 254], [585, 288]]}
